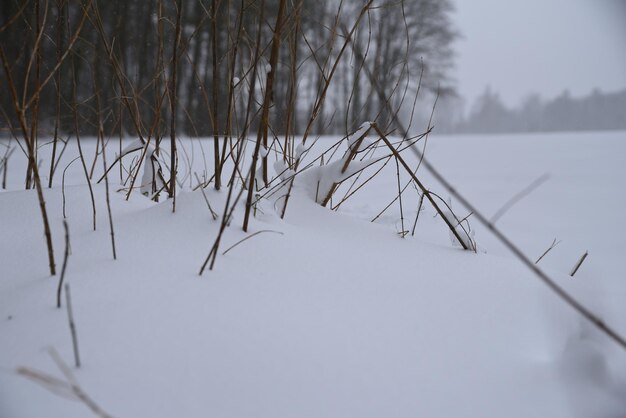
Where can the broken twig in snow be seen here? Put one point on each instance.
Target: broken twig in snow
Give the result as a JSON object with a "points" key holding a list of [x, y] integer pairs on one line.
{"points": [[422, 187], [70, 318], [580, 262], [206, 199], [67, 388], [554, 244], [547, 280], [519, 196], [65, 257], [250, 236]]}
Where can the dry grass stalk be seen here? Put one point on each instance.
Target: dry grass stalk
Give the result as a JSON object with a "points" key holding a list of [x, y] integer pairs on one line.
{"points": [[34, 117], [519, 196], [352, 151], [293, 83], [228, 208], [216, 84], [21, 113], [201, 186], [63, 184], [250, 236], [579, 263], [226, 218], [423, 189], [130, 101], [547, 280], [78, 143], [417, 215], [403, 232], [65, 257], [230, 107], [269, 85], [67, 387], [554, 244], [59, 52], [326, 81], [4, 162], [173, 103], [17, 15], [108, 200], [70, 318], [264, 126], [411, 142], [104, 163]]}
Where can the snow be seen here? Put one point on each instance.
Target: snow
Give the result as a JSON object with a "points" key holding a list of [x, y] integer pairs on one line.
{"points": [[362, 131], [337, 316]]}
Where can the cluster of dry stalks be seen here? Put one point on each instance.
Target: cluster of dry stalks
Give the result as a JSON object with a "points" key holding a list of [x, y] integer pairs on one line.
{"points": [[160, 166], [275, 45]]}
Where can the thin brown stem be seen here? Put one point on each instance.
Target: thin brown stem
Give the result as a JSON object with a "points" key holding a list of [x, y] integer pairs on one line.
{"points": [[65, 257]]}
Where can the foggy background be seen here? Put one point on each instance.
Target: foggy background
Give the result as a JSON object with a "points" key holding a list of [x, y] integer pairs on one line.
{"points": [[538, 65]]}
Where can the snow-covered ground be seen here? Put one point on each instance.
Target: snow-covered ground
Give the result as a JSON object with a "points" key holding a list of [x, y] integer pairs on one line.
{"points": [[335, 316]]}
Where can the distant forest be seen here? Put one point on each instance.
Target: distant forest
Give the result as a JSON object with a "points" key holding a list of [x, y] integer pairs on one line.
{"points": [[596, 111], [114, 60]]}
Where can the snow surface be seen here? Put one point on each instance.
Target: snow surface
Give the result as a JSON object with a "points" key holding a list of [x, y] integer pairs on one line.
{"points": [[337, 317]]}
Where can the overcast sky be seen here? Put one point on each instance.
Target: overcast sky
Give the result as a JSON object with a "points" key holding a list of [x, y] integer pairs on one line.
{"points": [[543, 46]]}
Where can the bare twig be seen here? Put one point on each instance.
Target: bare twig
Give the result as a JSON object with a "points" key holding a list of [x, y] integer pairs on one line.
{"points": [[104, 161], [554, 244], [580, 262], [173, 106], [215, 118], [67, 388], [78, 143], [403, 232], [70, 318], [264, 125], [21, 114], [16, 16], [422, 188], [519, 196], [552, 285], [5, 163], [108, 199], [206, 199], [251, 236], [321, 97], [417, 215], [63, 184], [65, 257], [351, 153]]}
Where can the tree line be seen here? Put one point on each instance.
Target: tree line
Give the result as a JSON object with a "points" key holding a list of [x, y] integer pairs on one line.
{"points": [[595, 111], [104, 55], [238, 71]]}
